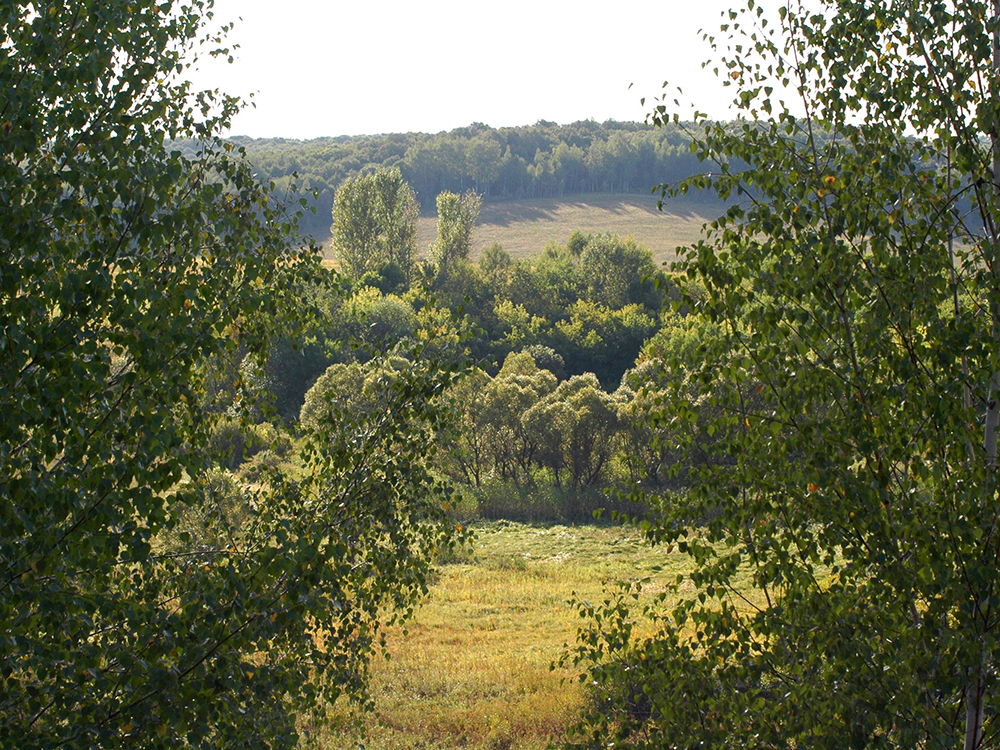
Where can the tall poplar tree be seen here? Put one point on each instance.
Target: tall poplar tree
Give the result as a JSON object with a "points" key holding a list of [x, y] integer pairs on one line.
{"points": [[457, 216], [375, 224]]}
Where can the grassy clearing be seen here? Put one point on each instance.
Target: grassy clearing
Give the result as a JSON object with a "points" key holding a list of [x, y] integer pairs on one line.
{"points": [[473, 669], [524, 227]]}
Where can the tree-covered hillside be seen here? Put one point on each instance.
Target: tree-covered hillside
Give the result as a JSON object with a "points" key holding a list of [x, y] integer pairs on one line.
{"points": [[534, 161]]}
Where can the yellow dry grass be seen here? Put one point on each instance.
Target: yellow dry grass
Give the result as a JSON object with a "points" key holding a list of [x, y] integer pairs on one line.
{"points": [[473, 670]]}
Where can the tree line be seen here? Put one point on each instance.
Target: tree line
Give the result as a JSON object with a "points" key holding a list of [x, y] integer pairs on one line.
{"points": [[541, 160]]}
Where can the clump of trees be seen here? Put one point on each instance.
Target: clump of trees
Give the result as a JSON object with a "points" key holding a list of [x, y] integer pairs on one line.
{"points": [[526, 426]]}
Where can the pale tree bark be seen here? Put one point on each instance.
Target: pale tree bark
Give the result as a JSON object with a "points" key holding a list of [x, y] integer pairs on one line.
{"points": [[975, 691]]}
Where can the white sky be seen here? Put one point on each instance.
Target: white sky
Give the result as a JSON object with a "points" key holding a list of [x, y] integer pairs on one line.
{"points": [[326, 68]]}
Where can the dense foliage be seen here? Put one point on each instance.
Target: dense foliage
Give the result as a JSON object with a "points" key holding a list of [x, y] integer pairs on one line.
{"points": [[146, 599], [587, 306], [374, 225], [845, 583]]}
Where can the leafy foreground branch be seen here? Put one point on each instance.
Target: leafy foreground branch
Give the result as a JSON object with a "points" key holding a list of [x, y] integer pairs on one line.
{"points": [[136, 608], [852, 474]]}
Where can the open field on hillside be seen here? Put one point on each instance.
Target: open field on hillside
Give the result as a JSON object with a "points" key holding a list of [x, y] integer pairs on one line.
{"points": [[473, 671], [524, 227]]}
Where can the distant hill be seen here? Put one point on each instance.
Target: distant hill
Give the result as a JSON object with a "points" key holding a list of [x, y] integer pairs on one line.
{"points": [[544, 160], [524, 227]]}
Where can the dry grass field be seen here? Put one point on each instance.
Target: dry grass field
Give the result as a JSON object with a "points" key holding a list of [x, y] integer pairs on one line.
{"points": [[524, 227], [473, 671]]}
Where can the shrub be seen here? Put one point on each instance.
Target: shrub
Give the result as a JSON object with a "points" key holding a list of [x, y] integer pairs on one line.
{"points": [[227, 442], [257, 469], [233, 441], [266, 437], [496, 500], [216, 517]]}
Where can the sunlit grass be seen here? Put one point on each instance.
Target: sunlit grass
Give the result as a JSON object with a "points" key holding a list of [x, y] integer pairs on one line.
{"points": [[473, 670], [524, 227]]}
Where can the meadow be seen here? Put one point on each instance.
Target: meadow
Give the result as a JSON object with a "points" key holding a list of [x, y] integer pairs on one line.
{"points": [[524, 227], [473, 668]]}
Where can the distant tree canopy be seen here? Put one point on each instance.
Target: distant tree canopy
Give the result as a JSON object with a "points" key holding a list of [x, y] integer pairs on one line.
{"points": [[535, 161]]}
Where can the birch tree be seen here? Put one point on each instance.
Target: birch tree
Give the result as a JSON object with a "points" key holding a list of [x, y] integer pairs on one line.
{"points": [[845, 584], [137, 247]]}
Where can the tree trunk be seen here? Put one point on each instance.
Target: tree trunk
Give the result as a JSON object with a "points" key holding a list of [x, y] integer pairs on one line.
{"points": [[975, 691]]}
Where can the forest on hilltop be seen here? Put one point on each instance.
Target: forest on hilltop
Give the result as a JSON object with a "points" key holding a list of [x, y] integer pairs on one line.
{"points": [[533, 161]]}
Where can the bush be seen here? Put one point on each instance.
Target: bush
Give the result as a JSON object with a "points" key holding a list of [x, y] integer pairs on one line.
{"points": [[257, 469], [233, 441], [218, 515], [496, 500], [266, 437], [227, 442]]}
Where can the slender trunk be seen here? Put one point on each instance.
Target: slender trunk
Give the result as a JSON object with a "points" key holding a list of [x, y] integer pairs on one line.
{"points": [[975, 691]]}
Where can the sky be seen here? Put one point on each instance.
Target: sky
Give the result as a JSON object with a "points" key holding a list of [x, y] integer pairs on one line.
{"points": [[317, 68]]}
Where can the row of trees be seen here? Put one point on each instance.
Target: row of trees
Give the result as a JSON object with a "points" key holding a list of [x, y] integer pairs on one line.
{"points": [[525, 419], [543, 160]]}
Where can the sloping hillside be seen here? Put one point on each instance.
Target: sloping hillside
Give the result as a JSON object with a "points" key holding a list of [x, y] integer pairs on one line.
{"points": [[524, 227]]}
